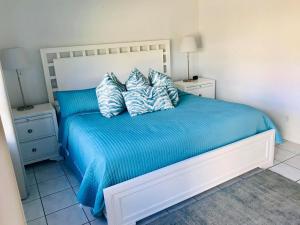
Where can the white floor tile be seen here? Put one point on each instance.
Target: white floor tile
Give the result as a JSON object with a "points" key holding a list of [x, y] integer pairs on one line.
{"points": [[73, 215], [30, 179], [73, 179], [88, 213], [282, 155], [33, 194], [76, 189], [59, 201], [33, 210], [275, 162], [71, 176], [40, 221], [287, 171], [53, 186], [48, 171], [99, 221], [290, 146], [295, 162]]}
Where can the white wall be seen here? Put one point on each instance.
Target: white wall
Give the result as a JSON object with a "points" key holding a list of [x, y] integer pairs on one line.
{"points": [[252, 49], [35, 24]]}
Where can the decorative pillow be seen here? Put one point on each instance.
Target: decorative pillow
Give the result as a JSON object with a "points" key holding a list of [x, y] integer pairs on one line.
{"points": [[109, 93], [159, 79], [72, 102], [136, 80], [149, 99]]}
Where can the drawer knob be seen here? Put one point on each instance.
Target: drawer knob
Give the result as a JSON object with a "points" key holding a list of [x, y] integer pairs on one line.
{"points": [[33, 150], [29, 131]]}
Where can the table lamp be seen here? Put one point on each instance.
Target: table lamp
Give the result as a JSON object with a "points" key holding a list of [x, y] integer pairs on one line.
{"points": [[16, 59], [188, 45]]}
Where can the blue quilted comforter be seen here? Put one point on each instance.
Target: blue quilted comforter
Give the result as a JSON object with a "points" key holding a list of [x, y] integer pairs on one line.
{"points": [[110, 151]]}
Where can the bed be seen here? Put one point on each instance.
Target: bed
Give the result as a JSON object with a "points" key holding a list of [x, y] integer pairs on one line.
{"points": [[138, 166]]}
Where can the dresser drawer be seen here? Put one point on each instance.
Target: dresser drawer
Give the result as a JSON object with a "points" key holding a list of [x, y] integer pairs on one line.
{"points": [[40, 148], [35, 128]]}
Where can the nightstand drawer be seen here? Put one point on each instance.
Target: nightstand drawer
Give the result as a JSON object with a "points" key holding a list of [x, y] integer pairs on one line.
{"points": [[194, 91], [203, 92], [207, 92], [35, 128], [36, 149], [202, 87]]}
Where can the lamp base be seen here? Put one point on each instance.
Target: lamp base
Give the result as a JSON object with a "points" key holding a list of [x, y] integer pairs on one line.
{"points": [[24, 108], [188, 80]]}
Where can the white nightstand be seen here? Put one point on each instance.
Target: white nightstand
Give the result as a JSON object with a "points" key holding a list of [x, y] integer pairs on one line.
{"points": [[202, 87], [37, 133]]}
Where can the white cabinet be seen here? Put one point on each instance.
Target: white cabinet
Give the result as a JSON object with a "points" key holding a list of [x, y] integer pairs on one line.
{"points": [[37, 133], [202, 87]]}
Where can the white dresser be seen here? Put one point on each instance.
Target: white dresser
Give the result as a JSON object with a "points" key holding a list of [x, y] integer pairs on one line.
{"points": [[37, 133], [202, 87]]}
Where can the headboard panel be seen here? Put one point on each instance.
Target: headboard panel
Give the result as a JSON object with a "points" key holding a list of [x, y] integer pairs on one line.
{"points": [[62, 62]]}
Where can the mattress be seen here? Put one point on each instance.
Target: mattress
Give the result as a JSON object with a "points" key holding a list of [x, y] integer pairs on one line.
{"points": [[109, 151]]}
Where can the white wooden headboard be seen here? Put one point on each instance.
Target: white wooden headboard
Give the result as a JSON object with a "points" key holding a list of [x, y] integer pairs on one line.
{"points": [[80, 67]]}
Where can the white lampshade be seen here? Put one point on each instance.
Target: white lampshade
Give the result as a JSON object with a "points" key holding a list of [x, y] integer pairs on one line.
{"points": [[14, 59], [188, 44]]}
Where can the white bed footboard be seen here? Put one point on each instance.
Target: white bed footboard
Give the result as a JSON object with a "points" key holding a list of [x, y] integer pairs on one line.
{"points": [[138, 198]]}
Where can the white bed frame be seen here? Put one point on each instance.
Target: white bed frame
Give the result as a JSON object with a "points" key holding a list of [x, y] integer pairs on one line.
{"points": [[130, 201]]}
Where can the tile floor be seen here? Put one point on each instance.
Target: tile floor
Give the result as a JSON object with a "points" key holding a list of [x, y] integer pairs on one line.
{"points": [[287, 161], [53, 188], [52, 199]]}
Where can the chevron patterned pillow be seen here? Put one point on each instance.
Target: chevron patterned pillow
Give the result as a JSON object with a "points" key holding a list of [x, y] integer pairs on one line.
{"points": [[145, 100], [158, 79], [109, 94]]}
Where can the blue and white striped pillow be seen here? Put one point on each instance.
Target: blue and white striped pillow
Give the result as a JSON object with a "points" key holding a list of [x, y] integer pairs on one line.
{"points": [[145, 100], [109, 94], [158, 79], [136, 80]]}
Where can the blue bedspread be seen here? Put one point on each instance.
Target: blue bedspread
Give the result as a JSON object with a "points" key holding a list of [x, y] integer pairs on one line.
{"points": [[110, 151]]}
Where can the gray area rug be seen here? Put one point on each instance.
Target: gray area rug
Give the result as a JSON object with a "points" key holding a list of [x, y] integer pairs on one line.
{"points": [[259, 197]]}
